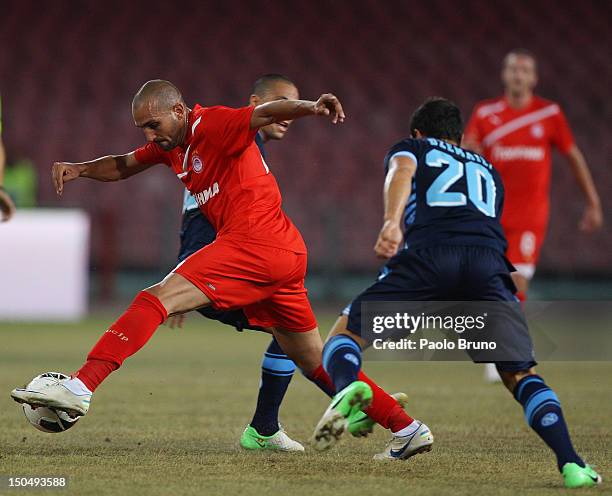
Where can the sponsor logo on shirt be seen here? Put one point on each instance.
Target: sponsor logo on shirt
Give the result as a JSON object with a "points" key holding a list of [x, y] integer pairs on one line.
{"points": [[203, 196], [528, 153]]}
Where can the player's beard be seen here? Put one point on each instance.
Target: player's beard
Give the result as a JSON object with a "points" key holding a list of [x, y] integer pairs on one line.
{"points": [[166, 145], [275, 132]]}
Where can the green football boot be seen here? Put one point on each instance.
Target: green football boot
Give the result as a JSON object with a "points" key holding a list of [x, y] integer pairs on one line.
{"points": [[576, 476], [280, 441], [360, 425], [345, 406]]}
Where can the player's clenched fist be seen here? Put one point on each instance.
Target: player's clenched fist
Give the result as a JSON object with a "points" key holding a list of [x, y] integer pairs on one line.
{"points": [[62, 172], [328, 104], [592, 219], [389, 240]]}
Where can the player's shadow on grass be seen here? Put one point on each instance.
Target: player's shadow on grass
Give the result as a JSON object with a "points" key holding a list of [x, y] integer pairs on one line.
{"points": [[31, 447]]}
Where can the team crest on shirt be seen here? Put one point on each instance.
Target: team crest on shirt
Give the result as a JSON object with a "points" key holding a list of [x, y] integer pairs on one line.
{"points": [[196, 164], [537, 131]]}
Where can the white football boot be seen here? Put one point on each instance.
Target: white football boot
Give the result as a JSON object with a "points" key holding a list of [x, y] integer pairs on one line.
{"points": [[279, 441], [67, 395], [403, 447]]}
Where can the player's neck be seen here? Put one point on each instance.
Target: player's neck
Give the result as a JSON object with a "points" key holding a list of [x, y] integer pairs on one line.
{"points": [[186, 128], [519, 100]]}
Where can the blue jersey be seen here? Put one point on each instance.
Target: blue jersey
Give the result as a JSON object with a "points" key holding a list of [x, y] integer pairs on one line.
{"points": [[456, 197], [189, 202]]}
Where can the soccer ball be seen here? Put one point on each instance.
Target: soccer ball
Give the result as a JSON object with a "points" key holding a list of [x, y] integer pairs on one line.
{"points": [[48, 419]]}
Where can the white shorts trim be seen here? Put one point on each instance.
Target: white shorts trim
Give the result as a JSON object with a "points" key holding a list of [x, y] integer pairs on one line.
{"points": [[525, 270], [346, 310]]}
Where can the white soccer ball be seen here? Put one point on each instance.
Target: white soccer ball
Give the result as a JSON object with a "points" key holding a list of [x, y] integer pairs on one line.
{"points": [[48, 419]]}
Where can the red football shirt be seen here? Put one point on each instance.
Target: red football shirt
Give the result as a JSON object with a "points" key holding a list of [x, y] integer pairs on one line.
{"points": [[223, 169], [518, 142]]}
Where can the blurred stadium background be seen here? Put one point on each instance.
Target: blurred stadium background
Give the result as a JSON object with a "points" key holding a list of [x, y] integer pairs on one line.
{"points": [[69, 71]]}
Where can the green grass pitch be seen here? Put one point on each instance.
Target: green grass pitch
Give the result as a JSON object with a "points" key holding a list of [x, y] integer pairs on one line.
{"points": [[168, 422]]}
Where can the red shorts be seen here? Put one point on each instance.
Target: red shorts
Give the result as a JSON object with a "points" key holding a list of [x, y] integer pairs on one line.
{"points": [[266, 282], [524, 246]]}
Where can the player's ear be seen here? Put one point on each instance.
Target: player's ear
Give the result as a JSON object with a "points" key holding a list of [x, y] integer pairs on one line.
{"points": [[254, 100], [179, 110], [417, 134]]}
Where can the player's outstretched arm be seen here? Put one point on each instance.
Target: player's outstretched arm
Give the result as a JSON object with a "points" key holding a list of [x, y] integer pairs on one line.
{"points": [[109, 168], [398, 184], [327, 105], [592, 218]]}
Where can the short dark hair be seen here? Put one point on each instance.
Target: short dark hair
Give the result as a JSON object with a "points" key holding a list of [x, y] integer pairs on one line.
{"points": [[262, 85], [438, 118], [162, 93], [521, 52]]}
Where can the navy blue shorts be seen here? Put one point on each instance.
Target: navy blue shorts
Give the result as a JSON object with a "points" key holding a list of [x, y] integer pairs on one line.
{"points": [[446, 273], [197, 232]]}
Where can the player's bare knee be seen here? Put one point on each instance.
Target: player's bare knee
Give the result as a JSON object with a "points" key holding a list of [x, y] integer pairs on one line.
{"points": [[304, 348], [307, 364], [159, 294], [340, 328], [511, 378], [178, 295]]}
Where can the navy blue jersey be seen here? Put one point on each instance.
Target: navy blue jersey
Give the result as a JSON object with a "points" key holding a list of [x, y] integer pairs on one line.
{"points": [[260, 144], [456, 197]]}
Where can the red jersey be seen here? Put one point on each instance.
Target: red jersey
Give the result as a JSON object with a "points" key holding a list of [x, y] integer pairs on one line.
{"points": [[223, 169], [518, 142]]}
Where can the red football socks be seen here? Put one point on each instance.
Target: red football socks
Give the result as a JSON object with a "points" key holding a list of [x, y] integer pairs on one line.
{"points": [[138, 323], [323, 381], [384, 409], [122, 339], [93, 372]]}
